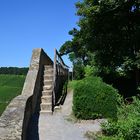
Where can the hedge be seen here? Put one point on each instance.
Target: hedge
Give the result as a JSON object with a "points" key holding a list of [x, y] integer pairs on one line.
{"points": [[95, 99]]}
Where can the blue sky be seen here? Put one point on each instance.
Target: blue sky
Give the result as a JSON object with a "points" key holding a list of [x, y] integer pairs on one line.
{"points": [[29, 24]]}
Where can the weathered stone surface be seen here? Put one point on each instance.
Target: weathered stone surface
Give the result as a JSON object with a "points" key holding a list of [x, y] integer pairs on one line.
{"points": [[12, 119], [15, 119]]}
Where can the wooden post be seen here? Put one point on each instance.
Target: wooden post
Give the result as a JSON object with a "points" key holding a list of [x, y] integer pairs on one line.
{"points": [[54, 76]]}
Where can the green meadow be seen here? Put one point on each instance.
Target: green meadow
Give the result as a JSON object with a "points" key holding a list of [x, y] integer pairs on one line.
{"points": [[10, 87]]}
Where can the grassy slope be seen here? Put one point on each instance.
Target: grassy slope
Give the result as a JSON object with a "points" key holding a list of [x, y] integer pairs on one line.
{"points": [[10, 86]]}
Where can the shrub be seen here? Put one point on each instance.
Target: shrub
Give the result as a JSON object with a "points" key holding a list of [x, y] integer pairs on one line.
{"points": [[127, 127], [89, 71], [94, 99], [71, 84]]}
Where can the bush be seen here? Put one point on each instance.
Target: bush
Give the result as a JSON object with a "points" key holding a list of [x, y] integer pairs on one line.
{"points": [[71, 84], [89, 71], [94, 99], [127, 127]]}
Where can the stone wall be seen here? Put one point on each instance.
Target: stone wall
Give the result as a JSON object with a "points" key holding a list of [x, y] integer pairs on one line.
{"points": [[15, 119]]}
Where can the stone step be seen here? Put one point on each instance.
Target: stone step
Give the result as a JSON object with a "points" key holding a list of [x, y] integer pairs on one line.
{"points": [[48, 66], [48, 77], [48, 82], [48, 69], [46, 99], [46, 106], [48, 72], [46, 92], [46, 112], [47, 87]]}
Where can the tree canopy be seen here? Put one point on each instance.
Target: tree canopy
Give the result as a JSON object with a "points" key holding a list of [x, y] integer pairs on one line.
{"points": [[14, 70], [110, 29]]}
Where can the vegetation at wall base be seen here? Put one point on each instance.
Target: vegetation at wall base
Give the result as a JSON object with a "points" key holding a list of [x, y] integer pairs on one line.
{"points": [[95, 99], [10, 87]]}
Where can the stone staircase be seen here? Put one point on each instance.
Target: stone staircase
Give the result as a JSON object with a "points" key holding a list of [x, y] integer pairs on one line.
{"points": [[46, 99]]}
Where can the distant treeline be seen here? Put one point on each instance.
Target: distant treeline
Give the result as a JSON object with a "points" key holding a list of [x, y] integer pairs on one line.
{"points": [[14, 70]]}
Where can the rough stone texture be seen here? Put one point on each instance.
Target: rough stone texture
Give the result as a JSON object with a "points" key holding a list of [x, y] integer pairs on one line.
{"points": [[12, 119], [14, 122], [33, 86]]}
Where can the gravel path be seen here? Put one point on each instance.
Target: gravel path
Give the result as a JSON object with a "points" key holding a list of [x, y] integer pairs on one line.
{"points": [[60, 127]]}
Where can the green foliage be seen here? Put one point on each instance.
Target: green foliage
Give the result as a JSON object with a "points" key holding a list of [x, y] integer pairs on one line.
{"points": [[13, 70], [71, 84], [94, 99], [78, 70], [8, 92], [127, 127], [90, 71], [11, 80], [10, 86], [66, 48], [110, 30], [2, 107]]}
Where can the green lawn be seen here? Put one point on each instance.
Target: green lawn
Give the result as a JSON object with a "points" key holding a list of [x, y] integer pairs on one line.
{"points": [[10, 87]]}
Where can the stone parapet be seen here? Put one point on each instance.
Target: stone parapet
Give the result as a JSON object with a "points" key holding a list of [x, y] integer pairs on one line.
{"points": [[12, 119], [15, 119]]}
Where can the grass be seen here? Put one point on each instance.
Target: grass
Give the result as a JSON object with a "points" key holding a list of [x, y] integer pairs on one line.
{"points": [[10, 87]]}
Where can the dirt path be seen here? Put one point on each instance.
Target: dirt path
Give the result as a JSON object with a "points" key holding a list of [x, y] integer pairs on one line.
{"points": [[60, 126]]}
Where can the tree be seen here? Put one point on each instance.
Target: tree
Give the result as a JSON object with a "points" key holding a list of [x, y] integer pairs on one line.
{"points": [[13, 70], [110, 29]]}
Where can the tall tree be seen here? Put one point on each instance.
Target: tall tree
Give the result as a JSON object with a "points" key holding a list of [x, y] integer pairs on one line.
{"points": [[110, 29]]}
